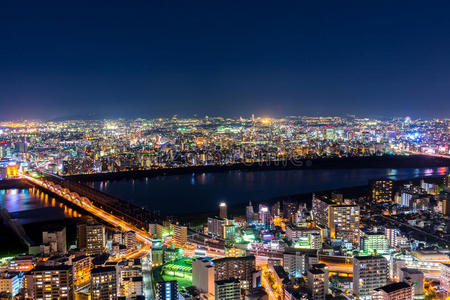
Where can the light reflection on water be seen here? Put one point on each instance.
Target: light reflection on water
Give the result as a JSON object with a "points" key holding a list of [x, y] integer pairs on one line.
{"points": [[30, 205], [196, 192]]}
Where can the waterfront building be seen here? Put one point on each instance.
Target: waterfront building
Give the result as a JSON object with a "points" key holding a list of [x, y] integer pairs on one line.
{"points": [[264, 215], [228, 289], [249, 213], [369, 273], [167, 290], [223, 210], [53, 282], [104, 283], [382, 190]]}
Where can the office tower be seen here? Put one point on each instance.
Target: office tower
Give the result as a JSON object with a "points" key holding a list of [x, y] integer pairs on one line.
{"points": [[369, 273], [373, 243], [82, 266], [391, 233], [168, 290], [179, 235], [228, 289], [203, 275], [264, 215], [307, 238], [237, 267], [344, 222], [318, 281], [289, 210], [95, 239], [320, 210], [413, 277], [215, 227], [445, 277], [223, 210], [54, 240], [249, 213], [382, 190], [53, 282], [103, 283], [397, 291], [294, 263], [130, 240]]}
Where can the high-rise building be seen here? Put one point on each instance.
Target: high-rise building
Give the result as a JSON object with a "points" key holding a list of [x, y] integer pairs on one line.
{"points": [[235, 267], [413, 277], [10, 283], [168, 290], [343, 222], [373, 243], [318, 281], [179, 235], [215, 227], [129, 278], [249, 213], [228, 289], [264, 215], [289, 210], [54, 240], [82, 266], [104, 283], [53, 282], [95, 239], [294, 263], [382, 190], [130, 240], [369, 273], [391, 233], [81, 236], [320, 210], [203, 275], [223, 210], [397, 291]]}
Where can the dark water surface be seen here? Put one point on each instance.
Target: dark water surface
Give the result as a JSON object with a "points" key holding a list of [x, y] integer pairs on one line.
{"points": [[202, 192]]}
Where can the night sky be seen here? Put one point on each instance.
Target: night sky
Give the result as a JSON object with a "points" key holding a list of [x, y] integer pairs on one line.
{"points": [[67, 59]]}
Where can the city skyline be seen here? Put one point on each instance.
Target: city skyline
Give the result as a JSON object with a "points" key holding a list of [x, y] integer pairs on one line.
{"points": [[156, 59]]}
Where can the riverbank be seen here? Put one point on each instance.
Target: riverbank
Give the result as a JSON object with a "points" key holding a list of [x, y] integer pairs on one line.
{"points": [[386, 161], [353, 192]]}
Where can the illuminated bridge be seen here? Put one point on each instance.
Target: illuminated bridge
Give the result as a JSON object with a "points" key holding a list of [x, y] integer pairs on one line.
{"points": [[103, 212]]}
